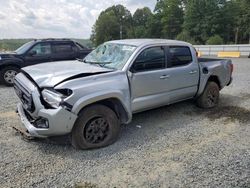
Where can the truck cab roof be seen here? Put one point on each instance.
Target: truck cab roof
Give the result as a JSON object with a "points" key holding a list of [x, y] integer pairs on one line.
{"points": [[146, 42]]}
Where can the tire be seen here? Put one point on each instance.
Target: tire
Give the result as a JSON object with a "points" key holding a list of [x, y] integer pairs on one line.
{"points": [[97, 126], [8, 74], [210, 96]]}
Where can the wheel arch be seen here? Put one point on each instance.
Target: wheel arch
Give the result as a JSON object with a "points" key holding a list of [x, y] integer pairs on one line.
{"points": [[113, 103], [214, 78], [9, 65], [2, 68], [204, 81]]}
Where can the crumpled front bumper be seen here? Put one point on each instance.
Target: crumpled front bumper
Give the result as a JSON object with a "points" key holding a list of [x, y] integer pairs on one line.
{"points": [[60, 122]]}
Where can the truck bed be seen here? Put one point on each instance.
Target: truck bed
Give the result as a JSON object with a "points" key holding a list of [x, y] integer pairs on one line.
{"points": [[219, 69]]}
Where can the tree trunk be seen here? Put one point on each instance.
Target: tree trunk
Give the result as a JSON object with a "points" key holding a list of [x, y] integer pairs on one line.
{"points": [[249, 38], [236, 35]]}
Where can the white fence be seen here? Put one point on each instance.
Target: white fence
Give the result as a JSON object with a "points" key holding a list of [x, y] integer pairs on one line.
{"points": [[212, 50]]}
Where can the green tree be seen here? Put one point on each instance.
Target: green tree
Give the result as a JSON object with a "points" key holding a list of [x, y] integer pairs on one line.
{"points": [[215, 40], [236, 17], [204, 18], [194, 21], [185, 36], [244, 21], [141, 22], [171, 17], [155, 26], [113, 23]]}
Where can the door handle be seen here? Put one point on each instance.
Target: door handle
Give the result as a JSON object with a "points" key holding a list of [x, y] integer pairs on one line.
{"points": [[193, 72], [163, 77]]}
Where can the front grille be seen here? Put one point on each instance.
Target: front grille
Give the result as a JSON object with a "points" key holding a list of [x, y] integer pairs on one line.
{"points": [[25, 96]]}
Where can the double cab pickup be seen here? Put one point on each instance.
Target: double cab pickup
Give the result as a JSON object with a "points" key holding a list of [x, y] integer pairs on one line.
{"points": [[89, 99]]}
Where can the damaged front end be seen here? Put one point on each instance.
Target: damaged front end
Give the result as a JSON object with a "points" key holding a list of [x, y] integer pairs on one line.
{"points": [[40, 120]]}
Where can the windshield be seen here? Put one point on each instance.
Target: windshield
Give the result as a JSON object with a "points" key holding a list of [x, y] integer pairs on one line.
{"points": [[24, 48], [111, 55]]}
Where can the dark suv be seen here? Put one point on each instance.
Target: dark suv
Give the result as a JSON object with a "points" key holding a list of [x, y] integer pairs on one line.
{"points": [[38, 51]]}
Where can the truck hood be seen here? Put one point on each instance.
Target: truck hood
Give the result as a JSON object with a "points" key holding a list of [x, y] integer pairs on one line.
{"points": [[53, 73]]}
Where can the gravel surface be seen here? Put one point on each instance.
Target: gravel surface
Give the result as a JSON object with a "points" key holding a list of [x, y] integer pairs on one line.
{"points": [[175, 146]]}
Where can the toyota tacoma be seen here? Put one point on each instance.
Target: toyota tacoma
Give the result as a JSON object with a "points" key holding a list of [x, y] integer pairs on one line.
{"points": [[89, 99]]}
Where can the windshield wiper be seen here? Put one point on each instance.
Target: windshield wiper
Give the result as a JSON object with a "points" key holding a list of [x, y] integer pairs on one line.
{"points": [[102, 64], [96, 62]]}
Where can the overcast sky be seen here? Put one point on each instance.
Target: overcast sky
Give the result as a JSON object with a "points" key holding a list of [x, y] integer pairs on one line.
{"points": [[56, 18]]}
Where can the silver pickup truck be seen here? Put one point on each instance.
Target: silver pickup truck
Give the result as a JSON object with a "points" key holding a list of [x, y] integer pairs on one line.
{"points": [[89, 99]]}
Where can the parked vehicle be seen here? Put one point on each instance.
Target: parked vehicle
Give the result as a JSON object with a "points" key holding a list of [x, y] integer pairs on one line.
{"points": [[90, 99], [38, 51]]}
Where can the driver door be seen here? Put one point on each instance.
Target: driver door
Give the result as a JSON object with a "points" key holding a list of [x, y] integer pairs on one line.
{"points": [[39, 53], [148, 80]]}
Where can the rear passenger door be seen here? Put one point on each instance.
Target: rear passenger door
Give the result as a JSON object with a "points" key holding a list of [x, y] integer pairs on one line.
{"points": [[148, 86], [63, 51], [183, 73]]}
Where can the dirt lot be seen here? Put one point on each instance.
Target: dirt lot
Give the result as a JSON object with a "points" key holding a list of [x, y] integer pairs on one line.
{"points": [[175, 146]]}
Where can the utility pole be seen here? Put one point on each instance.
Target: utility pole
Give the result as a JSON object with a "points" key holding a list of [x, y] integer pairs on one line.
{"points": [[121, 31], [236, 35], [121, 26]]}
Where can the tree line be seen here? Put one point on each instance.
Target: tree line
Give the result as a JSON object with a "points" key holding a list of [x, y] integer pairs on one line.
{"points": [[194, 21]]}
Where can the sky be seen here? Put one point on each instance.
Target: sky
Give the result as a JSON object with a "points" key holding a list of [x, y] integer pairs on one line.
{"points": [[56, 18]]}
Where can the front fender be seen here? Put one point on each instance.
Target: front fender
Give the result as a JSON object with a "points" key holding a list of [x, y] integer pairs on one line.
{"points": [[11, 62], [123, 98]]}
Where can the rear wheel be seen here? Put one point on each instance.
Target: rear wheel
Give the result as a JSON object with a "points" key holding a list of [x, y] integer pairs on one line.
{"points": [[8, 74], [97, 126], [210, 96]]}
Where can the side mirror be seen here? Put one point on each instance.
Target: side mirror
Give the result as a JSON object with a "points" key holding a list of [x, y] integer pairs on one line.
{"points": [[32, 53], [138, 66]]}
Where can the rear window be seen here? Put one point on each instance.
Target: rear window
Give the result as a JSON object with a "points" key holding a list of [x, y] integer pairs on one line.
{"points": [[179, 56]]}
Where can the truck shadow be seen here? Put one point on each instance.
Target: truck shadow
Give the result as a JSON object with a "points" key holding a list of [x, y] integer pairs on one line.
{"points": [[149, 126], [3, 86]]}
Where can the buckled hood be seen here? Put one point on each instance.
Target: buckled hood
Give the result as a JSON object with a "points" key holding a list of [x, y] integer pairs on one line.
{"points": [[54, 73]]}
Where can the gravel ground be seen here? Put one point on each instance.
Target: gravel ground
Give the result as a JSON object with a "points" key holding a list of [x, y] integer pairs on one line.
{"points": [[175, 146]]}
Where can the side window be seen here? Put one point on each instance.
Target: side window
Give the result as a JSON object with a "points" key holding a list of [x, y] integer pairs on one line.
{"points": [[150, 59], [63, 48], [75, 48], [179, 56], [80, 46], [41, 49]]}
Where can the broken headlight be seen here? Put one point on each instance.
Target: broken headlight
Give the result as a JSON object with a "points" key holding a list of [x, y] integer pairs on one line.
{"points": [[55, 97]]}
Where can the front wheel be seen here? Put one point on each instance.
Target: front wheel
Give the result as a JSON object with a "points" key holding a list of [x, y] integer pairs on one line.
{"points": [[210, 96], [8, 74], [97, 126]]}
